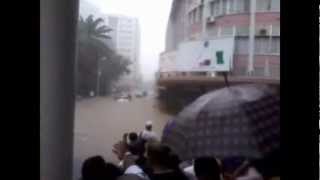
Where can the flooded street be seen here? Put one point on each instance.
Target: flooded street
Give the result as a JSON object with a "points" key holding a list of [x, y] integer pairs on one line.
{"points": [[101, 122]]}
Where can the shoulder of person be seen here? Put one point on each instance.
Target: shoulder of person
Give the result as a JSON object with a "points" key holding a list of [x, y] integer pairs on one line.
{"points": [[130, 177]]}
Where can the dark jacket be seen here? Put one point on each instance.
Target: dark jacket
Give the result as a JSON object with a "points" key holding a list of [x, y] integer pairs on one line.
{"points": [[174, 175]]}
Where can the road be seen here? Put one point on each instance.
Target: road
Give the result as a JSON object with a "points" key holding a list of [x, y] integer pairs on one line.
{"points": [[101, 122]]}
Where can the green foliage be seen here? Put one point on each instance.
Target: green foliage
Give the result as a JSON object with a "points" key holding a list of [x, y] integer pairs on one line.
{"points": [[91, 51]]}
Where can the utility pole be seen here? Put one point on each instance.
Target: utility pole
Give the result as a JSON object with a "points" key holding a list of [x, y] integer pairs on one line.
{"points": [[99, 74]]}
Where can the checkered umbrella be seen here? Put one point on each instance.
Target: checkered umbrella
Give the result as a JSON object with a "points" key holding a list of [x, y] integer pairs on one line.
{"points": [[241, 120]]}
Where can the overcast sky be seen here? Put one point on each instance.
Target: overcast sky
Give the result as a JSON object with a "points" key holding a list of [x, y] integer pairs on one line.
{"points": [[153, 17]]}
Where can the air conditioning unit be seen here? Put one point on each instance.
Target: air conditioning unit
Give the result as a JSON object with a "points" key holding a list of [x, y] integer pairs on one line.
{"points": [[211, 19], [262, 32]]}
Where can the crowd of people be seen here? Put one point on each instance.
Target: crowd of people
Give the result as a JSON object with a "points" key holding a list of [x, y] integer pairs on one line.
{"points": [[143, 157]]}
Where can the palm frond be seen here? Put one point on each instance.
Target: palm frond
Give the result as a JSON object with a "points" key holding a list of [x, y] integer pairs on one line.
{"points": [[89, 19], [103, 36], [103, 29], [96, 22]]}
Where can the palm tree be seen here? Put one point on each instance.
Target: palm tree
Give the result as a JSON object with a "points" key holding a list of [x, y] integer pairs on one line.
{"points": [[92, 28], [91, 32], [91, 49]]}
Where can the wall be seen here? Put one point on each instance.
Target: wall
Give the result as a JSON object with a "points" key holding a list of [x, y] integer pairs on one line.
{"points": [[57, 67]]}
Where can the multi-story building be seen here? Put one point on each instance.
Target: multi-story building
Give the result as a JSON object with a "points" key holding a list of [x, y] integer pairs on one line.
{"points": [[125, 36], [125, 40], [86, 9], [253, 26]]}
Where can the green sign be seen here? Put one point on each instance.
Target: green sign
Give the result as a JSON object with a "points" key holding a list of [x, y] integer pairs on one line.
{"points": [[219, 57]]}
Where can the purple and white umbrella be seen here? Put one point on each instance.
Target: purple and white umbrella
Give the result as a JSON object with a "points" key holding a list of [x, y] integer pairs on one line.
{"points": [[241, 120]]}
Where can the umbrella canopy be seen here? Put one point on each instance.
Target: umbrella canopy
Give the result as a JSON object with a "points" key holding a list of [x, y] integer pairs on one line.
{"points": [[241, 120]]}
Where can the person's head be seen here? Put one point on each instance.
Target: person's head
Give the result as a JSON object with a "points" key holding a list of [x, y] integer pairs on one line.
{"points": [[133, 137], [135, 149], [94, 168], [129, 160], [113, 171], [158, 154], [207, 168], [174, 161], [232, 164], [148, 125]]}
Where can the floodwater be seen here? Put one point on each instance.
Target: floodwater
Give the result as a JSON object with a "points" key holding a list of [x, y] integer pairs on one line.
{"points": [[101, 122]]}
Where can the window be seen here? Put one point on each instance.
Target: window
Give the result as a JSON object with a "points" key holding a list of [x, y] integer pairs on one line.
{"points": [[193, 16], [231, 6], [275, 71], [224, 7], [246, 5], [227, 31], [242, 31], [268, 5], [261, 45], [216, 8], [242, 6], [190, 18], [241, 45], [240, 71], [267, 45], [200, 12], [275, 45], [262, 5], [276, 30], [212, 8], [275, 5], [213, 32], [258, 71]]}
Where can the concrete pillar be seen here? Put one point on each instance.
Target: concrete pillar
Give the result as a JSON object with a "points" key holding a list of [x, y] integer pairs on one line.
{"points": [[205, 15], [57, 69], [252, 35]]}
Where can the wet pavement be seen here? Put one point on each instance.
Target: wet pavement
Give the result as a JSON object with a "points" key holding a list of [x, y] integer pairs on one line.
{"points": [[101, 122]]}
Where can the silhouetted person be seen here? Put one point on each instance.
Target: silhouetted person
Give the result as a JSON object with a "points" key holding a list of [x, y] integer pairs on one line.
{"points": [[240, 168], [136, 145], [147, 134], [207, 168], [164, 164], [95, 168], [133, 137], [113, 171]]}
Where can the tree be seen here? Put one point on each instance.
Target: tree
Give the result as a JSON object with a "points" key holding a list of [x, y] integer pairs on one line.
{"points": [[91, 49]]}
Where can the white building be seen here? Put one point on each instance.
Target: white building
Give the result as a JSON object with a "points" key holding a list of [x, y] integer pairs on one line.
{"points": [[126, 39], [86, 9]]}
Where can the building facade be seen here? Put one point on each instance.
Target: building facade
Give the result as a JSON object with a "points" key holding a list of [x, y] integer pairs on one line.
{"points": [[86, 9], [253, 24], [125, 37]]}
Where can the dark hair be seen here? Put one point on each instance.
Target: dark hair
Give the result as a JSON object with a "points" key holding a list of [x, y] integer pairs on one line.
{"points": [[269, 166], [231, 164], [207, 168], [94, 168], [113, 171], [137, 147], [133, 136], [162, 155], [174, 161]]}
